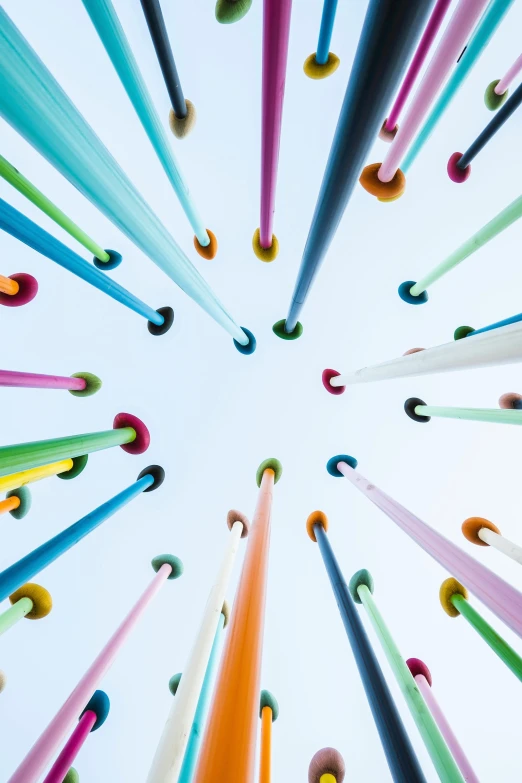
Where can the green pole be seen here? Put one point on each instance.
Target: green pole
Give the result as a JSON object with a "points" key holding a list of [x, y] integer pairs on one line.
{"points": [[27, 189], [15, 613], [490, 415], [441, 757], [490, 636]]}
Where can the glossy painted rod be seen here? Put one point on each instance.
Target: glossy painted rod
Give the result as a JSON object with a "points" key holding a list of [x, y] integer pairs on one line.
{"points": [[27, 189], [491, 415], [71, 748], [9, 504], [500, 597], [390, 31], [482, 532], [16, 612], [422, 677], [8, 286], [172, 745], [397, 747], [423, 48], [443, 761], [265, 768], [24, 569], [31, 380], [20, 479], [468, 331], [483, 33], [512, 74], [44, 748], [18, 225], [325, 31]]}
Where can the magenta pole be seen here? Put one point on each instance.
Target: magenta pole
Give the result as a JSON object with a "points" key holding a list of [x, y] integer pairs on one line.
{"points": [[422, 676], [500, 597], [71, 748], [44, 748], [432, 28], [276, 31]]}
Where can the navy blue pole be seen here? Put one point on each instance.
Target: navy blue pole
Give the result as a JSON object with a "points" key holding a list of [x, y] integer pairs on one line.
{"points": [[160, 39], [21, 572], [399, 752], [390, 32], [502, 115]]}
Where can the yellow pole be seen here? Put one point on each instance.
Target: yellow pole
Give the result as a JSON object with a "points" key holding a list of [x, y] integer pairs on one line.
{"points": [[16, 480]]}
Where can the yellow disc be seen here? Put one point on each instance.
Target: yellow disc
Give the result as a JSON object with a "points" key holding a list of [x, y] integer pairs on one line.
{"points": [[448, 588], [41, 598]]}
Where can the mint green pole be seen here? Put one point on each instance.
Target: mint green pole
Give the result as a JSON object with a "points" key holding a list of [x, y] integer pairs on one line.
{"points": [[484, 31], [15, 613], [27, 189], [491, 415], [495, 226], [441, 757]]}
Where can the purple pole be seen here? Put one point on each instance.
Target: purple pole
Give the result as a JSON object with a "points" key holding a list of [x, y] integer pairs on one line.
{"points": [[34, 380], [71, 748]]}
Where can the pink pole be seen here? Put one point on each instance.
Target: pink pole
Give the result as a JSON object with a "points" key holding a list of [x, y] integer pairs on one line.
{"points": [[456, 35], [510, 75], [276, 31], [432, 28], [497, 595], [38, 757], [452, 742], [71, 748], [36, 381]]}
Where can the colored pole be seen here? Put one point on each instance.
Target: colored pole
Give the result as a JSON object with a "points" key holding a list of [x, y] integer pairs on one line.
{"points": [[484, 533], [66, 140], [361, 588], [482, 35], [27, 189], [418, 411], [390, 31], [326, 766], [8, 286], [19, 226], [398, 750], [30, 380], [190, 759], [108, 26], [325, 32], [127, 430], [422, 676], [17, 290], [269, 712], [42, 751], [31, 601], [41, 557], [500, 597], [425, 43], [454, 600], [172, 746], [232, 727], [509, 77], [15, 613], [9, 504], [495, 347], [467, 331], [16, 480], [276, 33]]}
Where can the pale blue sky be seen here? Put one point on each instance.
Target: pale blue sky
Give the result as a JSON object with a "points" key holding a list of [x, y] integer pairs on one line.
{"points": [[214, 414]]}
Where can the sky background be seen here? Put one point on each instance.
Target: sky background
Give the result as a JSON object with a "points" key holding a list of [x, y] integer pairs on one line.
{"points": [[214, 414]]}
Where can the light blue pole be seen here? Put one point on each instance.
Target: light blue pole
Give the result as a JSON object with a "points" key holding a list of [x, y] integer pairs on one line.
{"points": [[484, 31], [105, 19], [21, 572], [19, 226], [325, 33], [198, 724], [513, 320]]}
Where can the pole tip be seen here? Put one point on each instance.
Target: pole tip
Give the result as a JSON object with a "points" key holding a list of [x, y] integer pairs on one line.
{"points": [[265, 254], [315, 70], [72, 776], [142, 440], [157, 473], [182, 126], [362, 577], [391, 190], [207, 251], [27, 290], [409, 408], [449, 588], [230, 11], [269, 464], [331, 465], [279, 330], [416, 666], [41, 598], [406, 295], [327, 761], [251, 345], [269, 700], [492, 99], [168, 319], [510, 401], [326, 377], [455, 173], [100, 704], [316, 518], [24, 496], [171, 560], [174, 683], [237, 516], [472, 525], [114, 261], [93, 384], [388, 135]]}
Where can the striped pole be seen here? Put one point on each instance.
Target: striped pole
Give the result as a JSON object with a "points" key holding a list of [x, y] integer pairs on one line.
{"points": [[31, 601], [268, 712], [19, 226], [128, 431], [415, 293], [418, 411], [108, 26], [323, 62], [493, 347], [390, 31], [92, 718], [276, 33], [17, 502], [390, 127], [500, 597], [15, 575], [454, 600], [422, 676], [386, 180], [32, 767], [17, 290], [482, 532], [361, 589], [232, 727], [497, 91], [103, 259], [172, 746], [81, 384], [326, 766], [459, 167], [482, 35], [396, 744], [64, 469], [182, 116]]}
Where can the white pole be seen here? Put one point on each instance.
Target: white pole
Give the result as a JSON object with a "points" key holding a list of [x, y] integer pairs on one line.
{"points": [[503, 545], [496, 346], [167, 761]]}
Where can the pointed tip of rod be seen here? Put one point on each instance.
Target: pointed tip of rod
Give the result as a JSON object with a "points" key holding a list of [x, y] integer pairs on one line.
{"points": [[449, 588], [279, 330], [416, 666], [315, 70], [361, 577], [269, 464], [265, 254], [471, 527], [316, 518], [181, 127], [207, 251], [267, 699], [326, 377], [331, 465], [326, 761]]}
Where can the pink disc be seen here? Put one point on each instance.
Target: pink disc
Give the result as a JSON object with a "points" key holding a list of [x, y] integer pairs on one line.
{"points": [[327, 375], [28, 288], [142, 440], [413, 350], [455, 174], [510, 401]]}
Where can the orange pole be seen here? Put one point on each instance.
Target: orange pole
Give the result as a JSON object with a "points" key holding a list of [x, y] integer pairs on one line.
{"points": [[8, 286], [9, 504], [229, 744], [265, 769]]}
